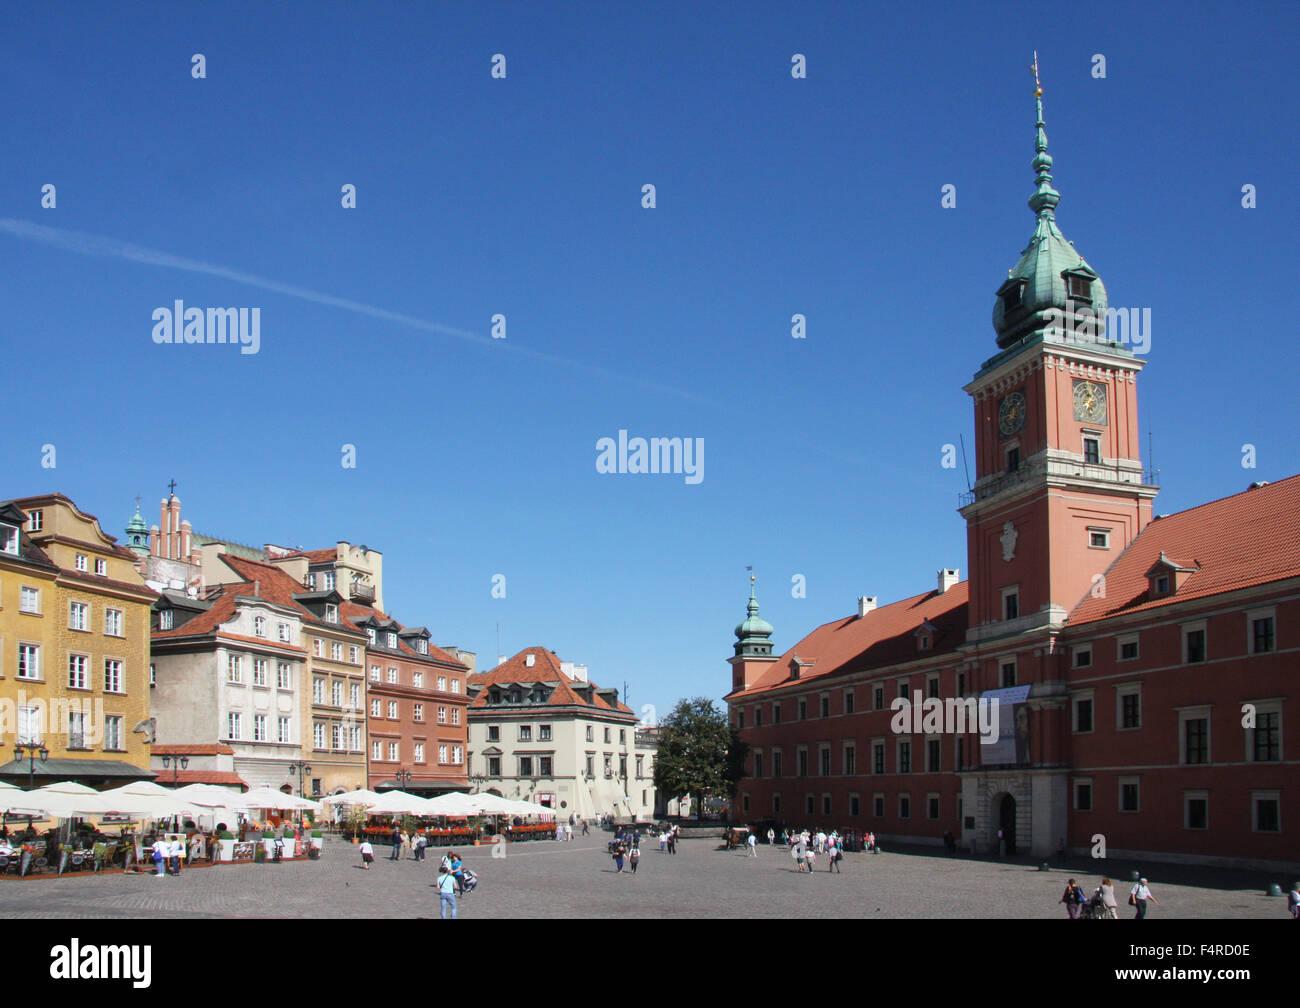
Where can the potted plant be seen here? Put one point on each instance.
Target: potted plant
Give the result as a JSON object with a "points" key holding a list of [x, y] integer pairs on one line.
{"points": [[225, 841], [356, 821]]}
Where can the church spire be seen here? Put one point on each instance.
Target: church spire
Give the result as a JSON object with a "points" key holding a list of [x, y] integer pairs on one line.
{"points": [[754, 635], [1044, 200]]}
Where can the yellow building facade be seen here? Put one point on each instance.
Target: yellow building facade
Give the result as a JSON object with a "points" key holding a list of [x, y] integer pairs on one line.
{"points": [[74, 647]]}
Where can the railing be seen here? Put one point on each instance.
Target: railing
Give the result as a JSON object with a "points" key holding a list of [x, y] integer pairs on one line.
{"points": [[1057, 467]]}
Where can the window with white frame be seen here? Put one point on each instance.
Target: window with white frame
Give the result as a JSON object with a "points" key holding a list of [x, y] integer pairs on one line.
{"points": [[376, 707], [417, 679], [354, 654], [374, 637], [282, 680], [392, 710], [29, 600], [442, 684], [1099, 538], [77, 730], [78, 616], [392, 751], [455, 715], [282, 729], [9, 539], [1128, 706], [1083, 656], [421, 646], [113, 622], [113, 734], [77, 677], [166, 619], [454, 686], [392, 674], [317, 735], [1194, 643], [442, 754], [82, 562], [354, 738], [442, 715], [336, 737], [29, 661], [232, 725], [101, 567], [376, 750], [336, 651], [112, 675], [417, 712], [282, 631], [419, 752], [458, 755], [318, 647], [259, 626], [259, 727], [392, 640], [234, 668], [330, 580], [318, 691], [375, 673], [336, 694], [331, 612], [1264, 736], [1194, 735], [354, 695], [1261, 628], [35, 521], [261, 671], [1127, 648], [1196, 810]]}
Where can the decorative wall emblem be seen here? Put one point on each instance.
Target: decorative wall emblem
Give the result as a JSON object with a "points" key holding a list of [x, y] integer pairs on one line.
{"points": [[1008, 540]]}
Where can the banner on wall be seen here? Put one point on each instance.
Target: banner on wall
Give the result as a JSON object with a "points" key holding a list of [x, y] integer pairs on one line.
{"points": [[1012, 745]]}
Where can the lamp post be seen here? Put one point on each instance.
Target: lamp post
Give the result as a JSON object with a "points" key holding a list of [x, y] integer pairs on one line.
{"points": [[177, 763], [301, 768], [31, 750]]}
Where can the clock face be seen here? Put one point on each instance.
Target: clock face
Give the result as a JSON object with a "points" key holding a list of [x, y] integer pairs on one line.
{"points": [[1011, 413], [1089, 401]]}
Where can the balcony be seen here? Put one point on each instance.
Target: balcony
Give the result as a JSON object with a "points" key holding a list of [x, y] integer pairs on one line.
{"points": [[1060, 468], [362, 593]]}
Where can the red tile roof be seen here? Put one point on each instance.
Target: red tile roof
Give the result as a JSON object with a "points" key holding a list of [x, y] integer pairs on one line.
{"points": [[884, 637], [1248, 539], [226, 778], [545, 669], [314, 556]]}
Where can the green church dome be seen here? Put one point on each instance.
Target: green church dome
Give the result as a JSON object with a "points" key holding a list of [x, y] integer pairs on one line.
{"points": [[1050, 273]]}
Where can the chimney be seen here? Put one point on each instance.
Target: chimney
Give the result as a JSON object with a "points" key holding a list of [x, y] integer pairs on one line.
{"points": [[529, 659], [947, 578], [257, 589], [501, 659], [865, 604]]}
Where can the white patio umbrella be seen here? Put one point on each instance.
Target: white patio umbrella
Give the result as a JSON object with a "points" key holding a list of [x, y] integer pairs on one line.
{"points": [[56, 804], [400, 803], [210, 796], [146, 799], [278, 801], [358, 797], [454, 803], [490, 804], [527, 808]]}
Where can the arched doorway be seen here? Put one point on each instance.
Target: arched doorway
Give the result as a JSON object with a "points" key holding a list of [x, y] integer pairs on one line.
{"points": [[1007, 824]]}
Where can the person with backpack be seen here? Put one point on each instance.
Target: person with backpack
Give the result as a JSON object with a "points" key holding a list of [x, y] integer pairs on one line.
{"points": [[634, 858], [1073, 899], [619, 852]]}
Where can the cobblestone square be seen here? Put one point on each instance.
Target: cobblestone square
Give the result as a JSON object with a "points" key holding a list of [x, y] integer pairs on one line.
{"points": [[549, 879]]}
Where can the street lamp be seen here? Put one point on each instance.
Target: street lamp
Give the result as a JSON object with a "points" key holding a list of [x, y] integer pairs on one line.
{"points": [[177, 763], [30, 750], [300, 768], [403, 777]]}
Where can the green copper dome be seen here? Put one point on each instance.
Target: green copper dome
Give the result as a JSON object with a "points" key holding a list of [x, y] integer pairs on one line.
{"points": [[1050, 273], [137, 534], [753, 636]]}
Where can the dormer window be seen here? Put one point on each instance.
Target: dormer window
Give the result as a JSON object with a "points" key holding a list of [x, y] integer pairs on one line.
{"points": [[421, 646], [1079, 287], [923, 642], [1166, 576], [1012, 294], [35, 521], [392, 640], [370, 632], [166, 619], [1160, 585], [331, 613], [9, 539], [329, 580]]}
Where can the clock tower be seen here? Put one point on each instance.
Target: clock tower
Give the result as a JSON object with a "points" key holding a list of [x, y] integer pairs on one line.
{"points": [[1059, 492], [1060, 488]]}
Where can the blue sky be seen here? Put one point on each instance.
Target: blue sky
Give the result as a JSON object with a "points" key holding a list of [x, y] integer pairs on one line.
{"points": [[522, 196]]}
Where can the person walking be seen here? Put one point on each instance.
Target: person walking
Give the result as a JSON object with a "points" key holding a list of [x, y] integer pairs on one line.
{"points": [[457, 868], [585, 830], [1072, 898], [397, 845], [367, 854], [619, 851], [447, 892], [176, 850], [1139, 897], [421, 841], [672, 840], [633, 859], [812, 860], [1107, 893], [160, 855], [836, 853], [771, 836], [752, 841]]}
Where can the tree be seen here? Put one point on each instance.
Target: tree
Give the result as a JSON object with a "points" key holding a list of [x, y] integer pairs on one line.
{"points": [[699, 753]]}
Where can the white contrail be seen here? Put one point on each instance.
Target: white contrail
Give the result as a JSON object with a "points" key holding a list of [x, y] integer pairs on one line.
{"points": [[110, 248]]}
